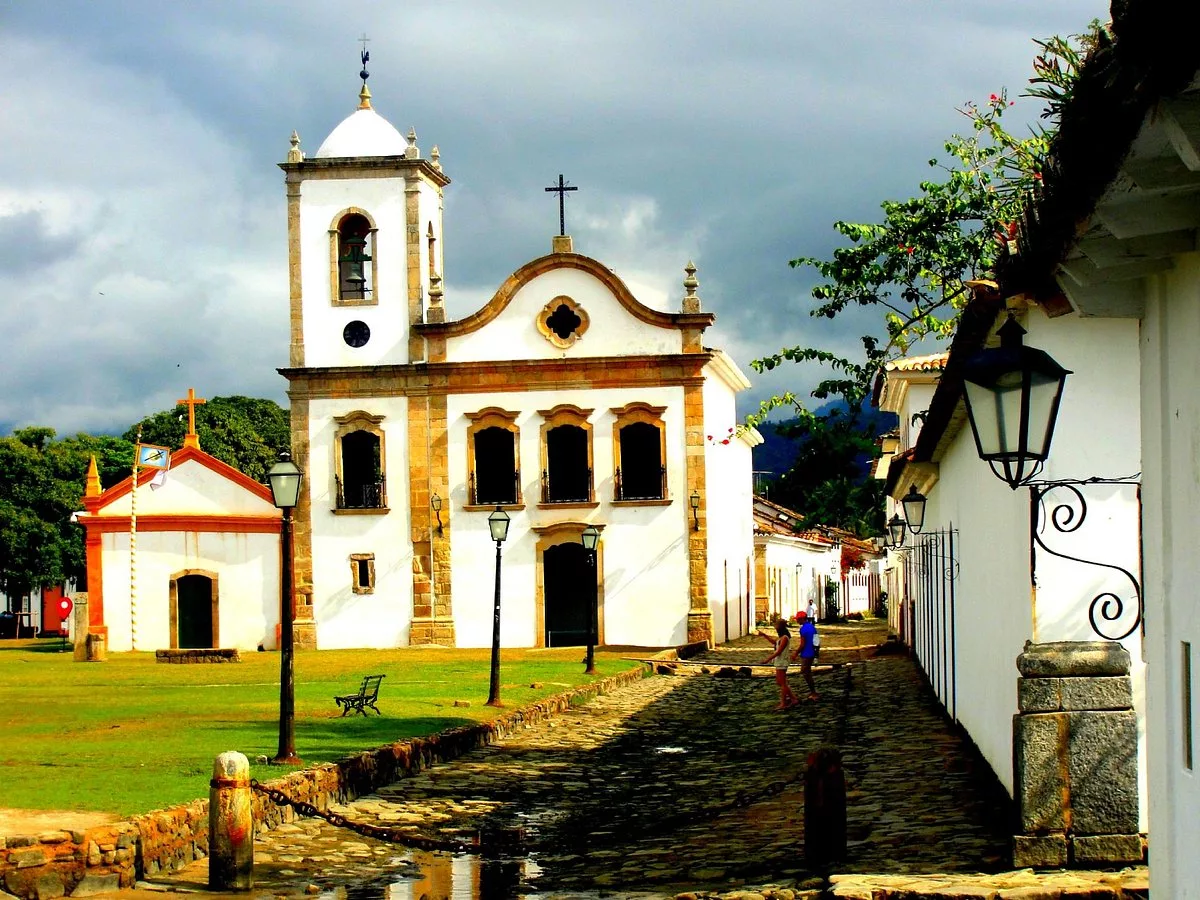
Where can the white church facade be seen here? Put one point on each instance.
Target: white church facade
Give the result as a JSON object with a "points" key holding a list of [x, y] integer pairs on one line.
{"points": [[564, 401]]}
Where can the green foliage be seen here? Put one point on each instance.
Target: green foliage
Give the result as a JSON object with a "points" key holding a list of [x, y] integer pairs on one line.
{"points": [[828, 483], [915, 267], [41, 483], [42, 480], [245, 432]]}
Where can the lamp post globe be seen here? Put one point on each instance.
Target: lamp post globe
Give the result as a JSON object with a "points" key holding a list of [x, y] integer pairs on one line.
{"points": [[1012, 394], [285, 479], [590, 538], [895, 529], [498, 526]]}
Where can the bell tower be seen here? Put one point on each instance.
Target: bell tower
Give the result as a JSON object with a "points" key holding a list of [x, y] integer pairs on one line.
{"points": [[364, 243], [364, 224]]}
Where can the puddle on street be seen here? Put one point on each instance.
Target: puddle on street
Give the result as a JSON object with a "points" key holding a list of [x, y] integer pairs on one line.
{"points": [[444, 876]]}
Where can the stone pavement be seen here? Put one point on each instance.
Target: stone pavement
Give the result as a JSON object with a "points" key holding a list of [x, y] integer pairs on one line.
{"points": [[683, 785]]}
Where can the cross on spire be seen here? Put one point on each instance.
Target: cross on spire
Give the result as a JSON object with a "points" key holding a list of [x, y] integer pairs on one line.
{"points": [[191, 401], [561, 189]]}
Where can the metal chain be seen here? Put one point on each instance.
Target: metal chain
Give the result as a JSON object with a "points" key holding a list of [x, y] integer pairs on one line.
{"points": [[379, 832]]}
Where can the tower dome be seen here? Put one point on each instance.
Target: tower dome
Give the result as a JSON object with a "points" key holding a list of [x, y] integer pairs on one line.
{"points": [[363, 133]]}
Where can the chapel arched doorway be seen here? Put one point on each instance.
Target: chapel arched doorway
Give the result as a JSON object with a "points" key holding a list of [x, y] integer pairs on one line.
{"points": [[569, 583], [193, 611]]}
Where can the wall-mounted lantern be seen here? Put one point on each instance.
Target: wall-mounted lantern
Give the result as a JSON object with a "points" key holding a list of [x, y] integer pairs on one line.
{"points": [[914, 509], [1012, 394]]}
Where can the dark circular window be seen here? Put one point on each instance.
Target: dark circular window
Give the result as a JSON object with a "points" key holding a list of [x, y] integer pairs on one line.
{"points": [[356, 333]]}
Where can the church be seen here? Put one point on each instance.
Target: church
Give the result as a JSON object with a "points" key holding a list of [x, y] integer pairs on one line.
{"points": [[563, 402]]}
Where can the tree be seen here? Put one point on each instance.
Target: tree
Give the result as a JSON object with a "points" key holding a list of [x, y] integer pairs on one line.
{"points": [[918, 264], [245, 432], [829, 482], [42, 480], [42, 483]]}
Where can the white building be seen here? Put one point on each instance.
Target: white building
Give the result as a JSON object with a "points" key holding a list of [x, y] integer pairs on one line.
{"points": [[1116, 231], [792, 563], [984, 576], [1106, 278], [564, 401], [199, 569]]}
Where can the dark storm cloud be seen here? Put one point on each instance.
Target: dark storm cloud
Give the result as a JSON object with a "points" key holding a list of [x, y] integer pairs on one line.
{"points": [[26, 244], [733, 135]]}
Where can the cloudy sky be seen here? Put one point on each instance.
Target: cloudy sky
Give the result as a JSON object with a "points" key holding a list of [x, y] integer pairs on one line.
{"points": [[142, 226]]}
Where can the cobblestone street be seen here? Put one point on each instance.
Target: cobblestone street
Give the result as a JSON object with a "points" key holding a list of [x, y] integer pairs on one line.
{"points": [[680, 783]]}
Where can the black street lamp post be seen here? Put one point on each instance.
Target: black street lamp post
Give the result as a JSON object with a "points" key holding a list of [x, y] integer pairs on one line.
{"points": [[590, 537], [285, 477], [498, 523]]}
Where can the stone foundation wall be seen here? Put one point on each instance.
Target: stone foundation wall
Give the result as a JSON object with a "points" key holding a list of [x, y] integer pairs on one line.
{"points": [[53, 864], [197, 656], [50, 864]]}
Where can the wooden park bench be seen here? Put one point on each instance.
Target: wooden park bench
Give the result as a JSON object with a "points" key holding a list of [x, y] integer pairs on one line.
{"points": [[367, 694]]}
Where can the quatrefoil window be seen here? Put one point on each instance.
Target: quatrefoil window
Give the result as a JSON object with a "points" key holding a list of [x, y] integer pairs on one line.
{"points": [[562, 322]]}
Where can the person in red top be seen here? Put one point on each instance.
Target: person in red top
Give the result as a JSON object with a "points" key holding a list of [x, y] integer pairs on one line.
{"points": [[807, 649]]}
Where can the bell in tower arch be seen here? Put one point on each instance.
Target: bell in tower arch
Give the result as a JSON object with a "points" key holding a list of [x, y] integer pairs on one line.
{"points": [[354, 255]]}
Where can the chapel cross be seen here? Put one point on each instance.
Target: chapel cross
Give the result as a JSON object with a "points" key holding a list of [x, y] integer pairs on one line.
{"points": [[191, 401], [561, 189]]}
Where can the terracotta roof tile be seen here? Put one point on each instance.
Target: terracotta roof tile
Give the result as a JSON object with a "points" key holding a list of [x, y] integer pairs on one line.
{"points": [[932, 362]]}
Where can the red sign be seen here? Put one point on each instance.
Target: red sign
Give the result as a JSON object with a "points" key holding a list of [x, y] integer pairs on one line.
{"points": [[64, 607]]}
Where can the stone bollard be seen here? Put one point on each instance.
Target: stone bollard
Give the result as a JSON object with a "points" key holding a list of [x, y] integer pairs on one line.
{"points": [[79, 626], [824, 807], [230, 825], [95, 648]]}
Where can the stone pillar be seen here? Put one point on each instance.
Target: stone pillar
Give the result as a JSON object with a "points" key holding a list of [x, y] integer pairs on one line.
{"points": [[79, 626], [230, 825], [1075, 756]]}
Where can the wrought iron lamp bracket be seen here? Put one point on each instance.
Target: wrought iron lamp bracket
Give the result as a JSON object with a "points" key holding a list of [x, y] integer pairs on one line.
{"points": [[1066, 517], [921, 555]]}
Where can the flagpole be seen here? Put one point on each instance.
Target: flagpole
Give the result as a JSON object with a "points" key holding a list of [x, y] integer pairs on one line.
{"points": [[133, 545]]}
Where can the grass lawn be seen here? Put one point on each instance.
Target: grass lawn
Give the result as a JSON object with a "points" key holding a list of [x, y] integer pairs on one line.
{"points": [[130, 735]]}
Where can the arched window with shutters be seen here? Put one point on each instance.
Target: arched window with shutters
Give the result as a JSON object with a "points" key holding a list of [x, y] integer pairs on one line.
{"points": [[352, 258], [639, 454]]}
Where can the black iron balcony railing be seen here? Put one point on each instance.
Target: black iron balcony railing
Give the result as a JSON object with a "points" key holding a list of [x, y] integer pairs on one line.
{"points": [[574, 489], [494, 491], [640, 488], [370, 495]]}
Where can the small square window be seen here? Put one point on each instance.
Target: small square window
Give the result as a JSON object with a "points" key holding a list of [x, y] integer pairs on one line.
{"points": [[362, 573]]}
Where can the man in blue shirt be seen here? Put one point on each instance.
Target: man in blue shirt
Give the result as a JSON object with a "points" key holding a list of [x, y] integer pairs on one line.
{"points": [[807, 649]]}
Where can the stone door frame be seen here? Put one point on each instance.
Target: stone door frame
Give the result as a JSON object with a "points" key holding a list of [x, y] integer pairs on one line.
{"points": [[551, 536], [173, 601]]}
